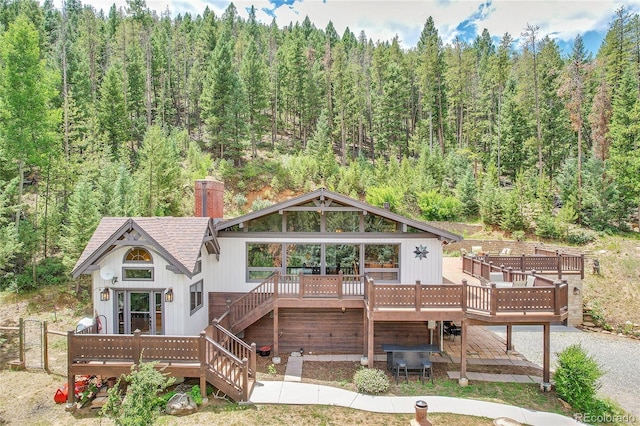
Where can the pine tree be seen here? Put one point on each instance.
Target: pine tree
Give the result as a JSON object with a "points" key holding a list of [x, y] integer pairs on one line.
{"points": [[82, 219], [158, 176], [222, 104], [112, 113], [574, 92], [320, 148], [254, 74]]}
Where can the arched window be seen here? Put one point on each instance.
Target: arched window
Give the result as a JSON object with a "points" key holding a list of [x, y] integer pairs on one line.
{"points": [[138, 255]]}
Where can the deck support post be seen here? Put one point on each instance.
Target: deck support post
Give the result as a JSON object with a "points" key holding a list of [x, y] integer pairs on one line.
{"points": [[365, 334], [509, 338], [71, 378], [463, 381], [276, 331], [202, 349], [370, 343], [45, 346], [546, 358]]}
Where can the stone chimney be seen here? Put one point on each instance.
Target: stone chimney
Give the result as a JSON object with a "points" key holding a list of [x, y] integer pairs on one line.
{"points": [[209, 198]]}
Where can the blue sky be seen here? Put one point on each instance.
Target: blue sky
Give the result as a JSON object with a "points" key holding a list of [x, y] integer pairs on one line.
{"points": [[384, 19]]}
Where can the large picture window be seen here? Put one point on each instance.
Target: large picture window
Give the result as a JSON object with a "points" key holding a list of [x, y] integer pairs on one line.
{"points": [[195, 292], [342, 221], [305, 258], [381, 261], [342, 258], [303, 221], [262, 260], [269, 223]]}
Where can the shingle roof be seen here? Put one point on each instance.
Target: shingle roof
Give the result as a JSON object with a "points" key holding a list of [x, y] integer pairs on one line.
{"points": [[177, 239]]}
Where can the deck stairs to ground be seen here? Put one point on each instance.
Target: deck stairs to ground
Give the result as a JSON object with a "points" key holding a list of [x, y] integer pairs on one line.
{"points": [[224, 375], [252, 306], [228, 365]]}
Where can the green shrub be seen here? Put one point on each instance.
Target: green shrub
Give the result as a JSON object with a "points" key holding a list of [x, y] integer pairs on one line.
{"points": [[140, 406], [371, 381], [196, 394], [579, 236], [435, 206], [518, 235], [49, 271], [576, 380], [547, 227]]}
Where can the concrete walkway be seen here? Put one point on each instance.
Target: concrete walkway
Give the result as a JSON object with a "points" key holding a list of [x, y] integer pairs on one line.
{"points": [[293, 392], [280, 392], [293, 373]]}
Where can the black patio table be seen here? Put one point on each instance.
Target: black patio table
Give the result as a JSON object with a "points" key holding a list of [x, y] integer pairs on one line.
{"points": [[413, 355]]}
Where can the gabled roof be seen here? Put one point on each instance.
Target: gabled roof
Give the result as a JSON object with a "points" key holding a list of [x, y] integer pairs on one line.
{"points": [[325, 195], [177, 239]]}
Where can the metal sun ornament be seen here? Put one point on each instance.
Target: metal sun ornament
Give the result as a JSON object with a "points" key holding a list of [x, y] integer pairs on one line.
{"points": [[421, 252]]}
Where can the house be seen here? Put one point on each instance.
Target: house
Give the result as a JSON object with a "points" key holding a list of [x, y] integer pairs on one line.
{"points": [[320, 273], [168, 275]]}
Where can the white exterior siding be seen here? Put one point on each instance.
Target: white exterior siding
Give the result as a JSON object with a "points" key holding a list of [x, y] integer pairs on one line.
{"points": [[229, 274], [176, 321], [427, 270]]}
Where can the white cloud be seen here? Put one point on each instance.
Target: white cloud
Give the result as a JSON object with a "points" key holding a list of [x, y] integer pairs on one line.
{"points": [[384, 19]]}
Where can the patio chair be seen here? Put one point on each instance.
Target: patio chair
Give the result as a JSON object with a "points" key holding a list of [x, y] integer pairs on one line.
{"points": [[531, 280], [451, 330], [505, 252], [498, 279]]}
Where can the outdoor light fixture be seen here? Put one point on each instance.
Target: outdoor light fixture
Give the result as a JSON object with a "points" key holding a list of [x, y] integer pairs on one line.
{"points": [[105, 294], [168, 296]]}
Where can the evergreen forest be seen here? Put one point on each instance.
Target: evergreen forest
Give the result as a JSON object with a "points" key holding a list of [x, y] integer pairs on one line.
{"points": [[116, 113]]}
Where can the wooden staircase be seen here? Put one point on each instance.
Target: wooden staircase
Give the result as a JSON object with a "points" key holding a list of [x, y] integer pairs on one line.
{"points": [[230, 363], [252, 306]]}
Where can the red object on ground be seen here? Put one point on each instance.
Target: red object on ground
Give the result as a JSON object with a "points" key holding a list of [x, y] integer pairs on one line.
{"points": [[62, 393], [264, 350]]}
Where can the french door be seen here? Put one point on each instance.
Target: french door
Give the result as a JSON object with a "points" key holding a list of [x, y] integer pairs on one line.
{"points": [[139, 310]]}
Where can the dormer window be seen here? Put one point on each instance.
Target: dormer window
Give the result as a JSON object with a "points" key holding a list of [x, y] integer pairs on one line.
{"points": [[137, 255]]}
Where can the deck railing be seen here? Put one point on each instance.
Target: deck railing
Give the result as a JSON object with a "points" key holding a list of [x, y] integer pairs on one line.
{"points": [[543, 297], [234, 345], [314, 286], [492, 300], [229, 359], [233, 370], [253, 299], [480, 266]]}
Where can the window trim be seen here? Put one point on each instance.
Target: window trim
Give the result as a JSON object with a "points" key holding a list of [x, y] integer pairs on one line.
{"points": [[128, 252], [249, 269], [193, 292], [138, 268]]}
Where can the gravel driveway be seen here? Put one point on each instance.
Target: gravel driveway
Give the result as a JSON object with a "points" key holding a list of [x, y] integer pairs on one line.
{"points": [[619, 358]]}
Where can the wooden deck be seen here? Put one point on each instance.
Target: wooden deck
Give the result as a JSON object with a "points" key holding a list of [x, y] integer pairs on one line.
{"points": [[215, 356], [401, 302], [218, 357]]}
